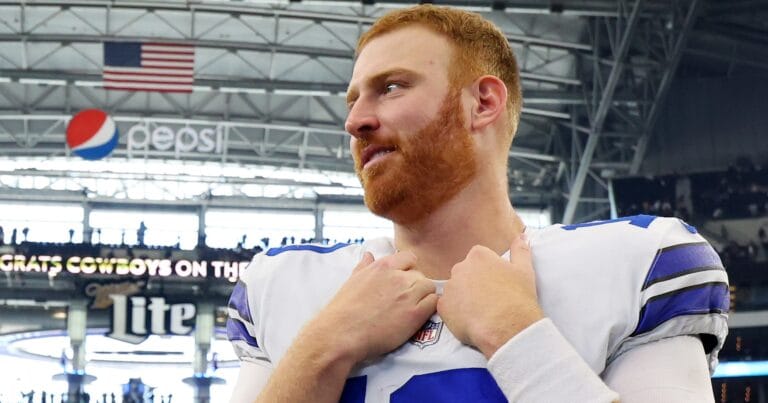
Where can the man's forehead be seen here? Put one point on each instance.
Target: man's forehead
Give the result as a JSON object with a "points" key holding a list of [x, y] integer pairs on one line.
{"points": [[411, 48]]}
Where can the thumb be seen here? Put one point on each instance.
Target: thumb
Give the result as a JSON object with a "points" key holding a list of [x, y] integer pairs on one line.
{"points": [[520, 249], [364, 262]]}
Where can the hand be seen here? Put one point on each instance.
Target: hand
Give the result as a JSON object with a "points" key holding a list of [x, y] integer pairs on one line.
{"points": [[488, 300], [381, 305]]}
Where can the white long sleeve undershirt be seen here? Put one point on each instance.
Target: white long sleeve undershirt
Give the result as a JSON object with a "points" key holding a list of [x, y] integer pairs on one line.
{"points": [[539, 366]]}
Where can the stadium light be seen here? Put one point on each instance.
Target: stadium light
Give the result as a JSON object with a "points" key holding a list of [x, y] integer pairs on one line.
{"points": [[741, 369], [42, 81]]}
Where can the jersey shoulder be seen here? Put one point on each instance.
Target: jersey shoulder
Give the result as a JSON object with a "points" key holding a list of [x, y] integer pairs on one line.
{"points": [[639, 240], [668, 278], [643, 228], [280, 281], [294, 264], [301, 262]]}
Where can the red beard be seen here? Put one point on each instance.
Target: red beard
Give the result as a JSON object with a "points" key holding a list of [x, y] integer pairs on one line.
{"points": [[428, 168]]}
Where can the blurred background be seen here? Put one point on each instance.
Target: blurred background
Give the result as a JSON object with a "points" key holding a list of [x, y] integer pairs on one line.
{"points": [[148, 149]]}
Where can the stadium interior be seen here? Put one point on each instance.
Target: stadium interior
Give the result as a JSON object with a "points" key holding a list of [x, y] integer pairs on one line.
{"points": [[630, 107]]}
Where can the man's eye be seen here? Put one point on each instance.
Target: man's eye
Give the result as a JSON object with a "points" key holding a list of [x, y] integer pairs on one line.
{"points": [[391, 87]]}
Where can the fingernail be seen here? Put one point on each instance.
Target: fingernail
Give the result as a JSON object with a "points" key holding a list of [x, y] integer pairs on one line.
{"points": [[524, 238]]}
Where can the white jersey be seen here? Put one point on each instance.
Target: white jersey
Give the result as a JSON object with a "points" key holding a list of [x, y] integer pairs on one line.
{"points": [[608, 286]]}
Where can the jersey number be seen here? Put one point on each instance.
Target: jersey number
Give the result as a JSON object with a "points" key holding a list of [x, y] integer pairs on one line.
{"points": [[642, 221], [452, 386]]}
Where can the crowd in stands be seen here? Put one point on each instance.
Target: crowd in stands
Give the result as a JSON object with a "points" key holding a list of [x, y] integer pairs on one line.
{"points": [[239, 252], [653, 196], [740, 192], [129, 395]]}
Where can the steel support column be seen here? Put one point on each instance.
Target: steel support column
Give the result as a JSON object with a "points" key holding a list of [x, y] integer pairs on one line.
{"points": [[664, 85], [602, 111]]}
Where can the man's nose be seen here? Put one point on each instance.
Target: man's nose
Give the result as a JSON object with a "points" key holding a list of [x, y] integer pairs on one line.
{"points": [[361, 120]]}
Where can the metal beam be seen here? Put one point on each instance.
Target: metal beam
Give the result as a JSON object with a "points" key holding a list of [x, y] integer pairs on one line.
{"points": [[199, 42], [264, 86], [602, 112], [237, 9], [663, 87], [727, 58], [330, 134], [255, 82], [275, 8]]}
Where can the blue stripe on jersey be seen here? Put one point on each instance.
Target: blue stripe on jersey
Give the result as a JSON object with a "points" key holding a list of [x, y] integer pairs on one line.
{"points": [[239, 302], [678, 260], [311, 248], [452, 386], [642, 221], [698, 299], [689, 227], [354, 390], [236, 331]]}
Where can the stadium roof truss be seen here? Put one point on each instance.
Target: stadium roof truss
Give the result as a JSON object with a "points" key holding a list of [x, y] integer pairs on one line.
{"points": [[270, 81]]}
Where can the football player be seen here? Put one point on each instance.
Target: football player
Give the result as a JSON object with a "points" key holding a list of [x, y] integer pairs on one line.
{"points": [[464, 303]]}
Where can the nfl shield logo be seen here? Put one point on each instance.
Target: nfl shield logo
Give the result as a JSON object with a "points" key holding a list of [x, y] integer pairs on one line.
{"points": [[428, 335]]}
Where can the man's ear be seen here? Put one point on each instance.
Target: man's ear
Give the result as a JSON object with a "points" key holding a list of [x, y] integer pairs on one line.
{"points": [[490, 96]]}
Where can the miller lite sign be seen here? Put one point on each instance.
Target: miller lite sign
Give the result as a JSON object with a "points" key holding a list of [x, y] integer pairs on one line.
{"points": [[134, 318]]}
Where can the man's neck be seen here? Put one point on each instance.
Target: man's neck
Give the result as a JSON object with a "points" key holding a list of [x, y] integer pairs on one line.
{"points": [[476, 216]]}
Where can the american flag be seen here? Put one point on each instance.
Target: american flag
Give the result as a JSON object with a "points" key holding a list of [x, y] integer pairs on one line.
{"points": [[137, 66]]}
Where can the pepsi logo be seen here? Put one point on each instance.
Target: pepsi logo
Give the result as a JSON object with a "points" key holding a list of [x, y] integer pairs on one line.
{"points": [[92, 134]]}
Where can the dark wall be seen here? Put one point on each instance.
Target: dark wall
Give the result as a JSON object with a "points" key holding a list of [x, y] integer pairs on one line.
{"points": [[707, 123]]}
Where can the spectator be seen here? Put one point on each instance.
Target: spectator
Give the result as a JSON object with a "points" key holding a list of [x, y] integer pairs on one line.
{"points": [[762, 236], [684, 200], [666, 209], [682, 213], [752, 250], [718, 213], [139, 234]]}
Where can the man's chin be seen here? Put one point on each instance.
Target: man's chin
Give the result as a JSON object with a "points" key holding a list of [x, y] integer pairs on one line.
{"points": [[397, 203], [376, 180], [382, 198]]}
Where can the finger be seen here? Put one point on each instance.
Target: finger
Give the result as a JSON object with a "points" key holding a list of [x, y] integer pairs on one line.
{"points": [[399, 261], [520, 250], [422, 287], [480, 252], [427, 305], [365, 261]]}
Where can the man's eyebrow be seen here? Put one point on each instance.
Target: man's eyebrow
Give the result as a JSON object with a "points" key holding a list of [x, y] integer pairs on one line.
{"points": [[378, 78], [351, 94]]}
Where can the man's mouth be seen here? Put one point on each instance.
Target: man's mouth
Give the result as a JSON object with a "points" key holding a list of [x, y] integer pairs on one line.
{"points": [[373, 152]]}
